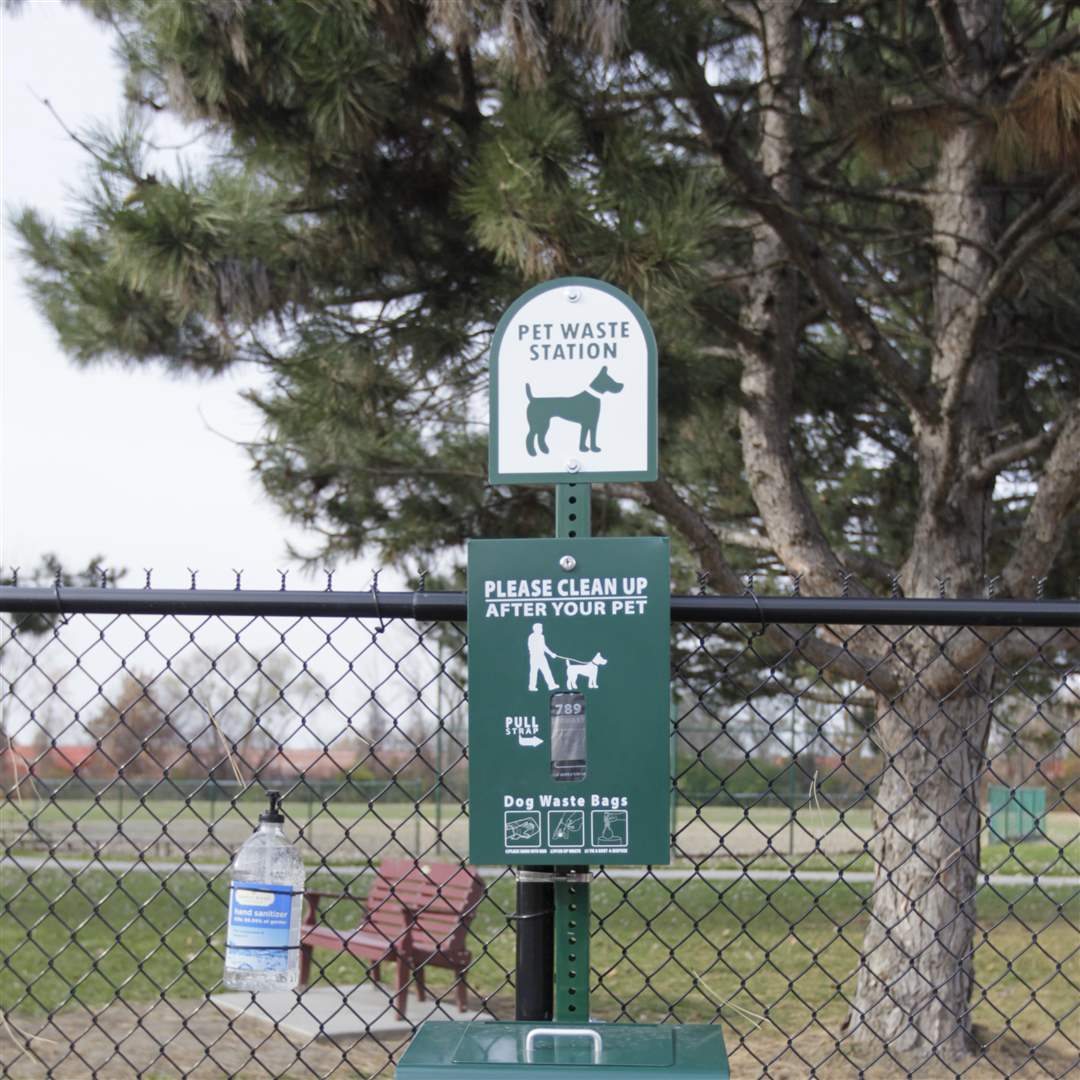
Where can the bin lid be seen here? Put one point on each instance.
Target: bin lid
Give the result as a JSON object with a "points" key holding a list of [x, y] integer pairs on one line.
{"points": [[638, 1045], [496, 1050]]}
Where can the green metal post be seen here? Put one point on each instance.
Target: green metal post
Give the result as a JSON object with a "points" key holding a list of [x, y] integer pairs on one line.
{"points": [[573, 510], [556, 909], [573, 518], [572, 913]]}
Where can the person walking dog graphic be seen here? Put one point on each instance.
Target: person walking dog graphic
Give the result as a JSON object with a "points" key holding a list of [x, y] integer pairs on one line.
{"points": [[575, 669], [538, 658]]}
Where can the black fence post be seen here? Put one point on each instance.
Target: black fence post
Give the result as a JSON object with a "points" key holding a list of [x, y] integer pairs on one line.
{"points": [[535, 977]]}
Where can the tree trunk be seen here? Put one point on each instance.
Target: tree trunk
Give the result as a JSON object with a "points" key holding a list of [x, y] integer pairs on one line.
{"points": [[914, 987], [771, 312]]}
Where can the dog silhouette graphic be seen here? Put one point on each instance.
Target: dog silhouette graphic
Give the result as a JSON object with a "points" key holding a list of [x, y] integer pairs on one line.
{"points": [[587, 668], [582, 409]]}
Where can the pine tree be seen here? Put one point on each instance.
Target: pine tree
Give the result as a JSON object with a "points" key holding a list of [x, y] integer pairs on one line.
{"points": [[852, 225]]}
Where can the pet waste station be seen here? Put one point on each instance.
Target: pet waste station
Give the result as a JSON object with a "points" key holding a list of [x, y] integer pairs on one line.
{"points": [[569, 697]]}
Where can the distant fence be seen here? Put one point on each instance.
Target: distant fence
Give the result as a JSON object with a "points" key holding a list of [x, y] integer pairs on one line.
{"points": [[831, 760]]}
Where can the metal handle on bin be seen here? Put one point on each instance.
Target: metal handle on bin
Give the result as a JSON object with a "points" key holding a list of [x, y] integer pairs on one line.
{"points": [[567, 1032]]}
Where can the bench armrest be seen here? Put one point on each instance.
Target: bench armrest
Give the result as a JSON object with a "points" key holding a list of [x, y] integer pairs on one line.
{"points": [[312, 898]]}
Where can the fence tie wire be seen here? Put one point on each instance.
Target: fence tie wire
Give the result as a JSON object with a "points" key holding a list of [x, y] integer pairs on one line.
{"points": [[375, 600], [59, 605]]}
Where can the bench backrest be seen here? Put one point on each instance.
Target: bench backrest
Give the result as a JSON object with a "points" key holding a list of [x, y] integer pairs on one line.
{"points": [[440, 899], [385, 910]]}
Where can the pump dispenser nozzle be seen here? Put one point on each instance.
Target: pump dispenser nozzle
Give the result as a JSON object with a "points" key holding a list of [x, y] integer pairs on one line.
{"points": [[274, 814]]}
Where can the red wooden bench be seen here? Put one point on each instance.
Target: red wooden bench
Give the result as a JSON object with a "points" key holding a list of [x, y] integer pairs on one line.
{"points": [[415, 914]]}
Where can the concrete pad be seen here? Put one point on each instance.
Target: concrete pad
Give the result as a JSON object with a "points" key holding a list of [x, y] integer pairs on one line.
{"points": [[342, 1014]]}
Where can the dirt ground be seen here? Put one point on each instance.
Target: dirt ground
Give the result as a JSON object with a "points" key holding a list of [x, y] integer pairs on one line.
{"points": [[172, 1039], [195, 1039], [817, 1054]]}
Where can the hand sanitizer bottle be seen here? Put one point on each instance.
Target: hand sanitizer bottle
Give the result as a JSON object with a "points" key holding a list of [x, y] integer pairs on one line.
{"points": [[266, 892]]}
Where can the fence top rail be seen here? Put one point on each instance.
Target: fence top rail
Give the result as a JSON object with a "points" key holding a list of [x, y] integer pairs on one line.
{"points": [[436, 606]]}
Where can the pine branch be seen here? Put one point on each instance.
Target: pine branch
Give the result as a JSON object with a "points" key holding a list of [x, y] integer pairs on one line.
{"points": [[958, 50], [706, 544], [1045, 220], [1034, 215], [759, 194], [993, 463], [893, 196], [662, 497], [736, 332], [1062, 44], [868, 566], [967, 649], [1058, 494], [471, 117], [106, 164]]}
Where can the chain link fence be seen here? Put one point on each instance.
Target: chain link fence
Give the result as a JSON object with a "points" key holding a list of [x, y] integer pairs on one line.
{"points": [[875, 829]]}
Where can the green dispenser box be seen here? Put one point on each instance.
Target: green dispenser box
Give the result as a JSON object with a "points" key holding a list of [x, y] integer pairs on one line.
{"points": [[505, 1050]]}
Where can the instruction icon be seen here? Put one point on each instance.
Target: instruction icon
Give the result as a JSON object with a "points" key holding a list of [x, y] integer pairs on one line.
{"points": [[566, 828], [610, 828], [521, 828]]}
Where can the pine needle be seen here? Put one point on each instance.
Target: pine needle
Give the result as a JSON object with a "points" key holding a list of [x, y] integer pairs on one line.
{"points": [[727, 1003], [600, 25], [527, 57], [453, 16], [1041, 128], [221, 735], [11, 1027]]}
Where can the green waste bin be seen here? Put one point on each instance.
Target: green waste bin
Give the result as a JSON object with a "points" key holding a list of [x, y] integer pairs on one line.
{"points": [[1016, 813], [502, 1050]]}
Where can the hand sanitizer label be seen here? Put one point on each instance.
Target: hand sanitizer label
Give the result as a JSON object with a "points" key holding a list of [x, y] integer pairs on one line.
{"points": [[258, 936]]}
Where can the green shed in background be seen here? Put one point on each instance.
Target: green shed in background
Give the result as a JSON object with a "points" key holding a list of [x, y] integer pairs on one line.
{"points": [[1016, 813]]}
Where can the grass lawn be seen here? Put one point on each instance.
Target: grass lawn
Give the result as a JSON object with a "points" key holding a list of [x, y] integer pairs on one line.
{"points": [[1058, 859], [783, 954], [302, 808]]}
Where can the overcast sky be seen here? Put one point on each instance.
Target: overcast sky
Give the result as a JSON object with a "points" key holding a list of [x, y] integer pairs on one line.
{"points": [[135, 465]]}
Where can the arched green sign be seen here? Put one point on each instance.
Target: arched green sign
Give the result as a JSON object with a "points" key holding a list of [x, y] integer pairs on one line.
{"points": [[573, 387]]}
